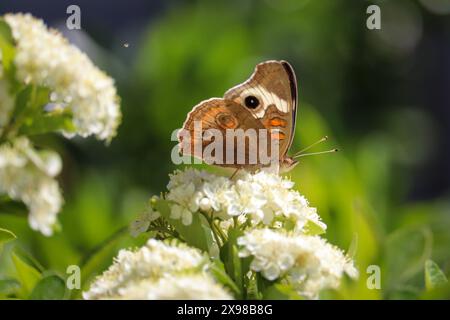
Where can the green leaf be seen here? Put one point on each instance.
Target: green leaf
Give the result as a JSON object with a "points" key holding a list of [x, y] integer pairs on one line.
{"points": [[51, 287], [22, 101], [28, 276], [218, 271], [197, 234], [5, 32], [280, 291], [434, 277], [6, 235], [262, 284], [353, 248], [29, 117], [28, 258], [6, 45], [43, 123], [41, 97], [9, 286], [312, 228], [235, 266]]}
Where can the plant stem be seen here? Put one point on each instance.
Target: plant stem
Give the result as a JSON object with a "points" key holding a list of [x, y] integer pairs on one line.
{"points": [[164, 230], [235, 222], [215, 232], [220, 231]]}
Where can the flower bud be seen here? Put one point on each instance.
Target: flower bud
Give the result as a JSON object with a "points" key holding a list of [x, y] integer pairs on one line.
{"points": [[205, 204]]}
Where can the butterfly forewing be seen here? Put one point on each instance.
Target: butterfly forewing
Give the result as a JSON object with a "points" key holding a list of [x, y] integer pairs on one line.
{"points": [[274, 84], [224, 120]]}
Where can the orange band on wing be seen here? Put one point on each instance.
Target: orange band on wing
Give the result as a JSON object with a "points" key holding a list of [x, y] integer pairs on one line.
{"points": [[277, 135], [277, 122]]}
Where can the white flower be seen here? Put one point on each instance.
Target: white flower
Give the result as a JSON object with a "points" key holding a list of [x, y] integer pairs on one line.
{"points": [[142, 222], [27, 175], [186, 191], [177, 287], [205, 204], [180, 178], [309, 263], [157, 271], [45, 58], [263, 197], [180, 212]]}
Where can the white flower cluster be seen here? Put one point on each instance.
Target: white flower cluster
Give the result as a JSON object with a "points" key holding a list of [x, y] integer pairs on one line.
{"points": [[177, 287], [157, 271], [264, 198], [45, 58], [28, 175], [309, 263], [276, 222]]}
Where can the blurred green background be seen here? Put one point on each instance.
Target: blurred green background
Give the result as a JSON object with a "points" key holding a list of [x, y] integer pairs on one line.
{"points": [[381, 95]]}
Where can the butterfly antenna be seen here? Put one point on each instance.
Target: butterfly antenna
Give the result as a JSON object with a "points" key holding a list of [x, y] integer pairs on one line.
{"points": [[310, 146], [314, 153]]}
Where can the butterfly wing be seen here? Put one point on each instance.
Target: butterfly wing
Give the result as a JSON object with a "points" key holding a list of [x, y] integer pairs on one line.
{"points": [[218, 115], [274, 85]]}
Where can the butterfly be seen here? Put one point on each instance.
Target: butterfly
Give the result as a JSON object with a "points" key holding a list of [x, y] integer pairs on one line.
{"points": [[267, 100]]}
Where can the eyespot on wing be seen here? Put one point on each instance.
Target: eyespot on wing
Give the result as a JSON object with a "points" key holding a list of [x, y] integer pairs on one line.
{"points": [[226, 120]]}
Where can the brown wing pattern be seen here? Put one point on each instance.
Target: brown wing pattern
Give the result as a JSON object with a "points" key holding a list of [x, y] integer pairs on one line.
{"points": [[220, 115], [274, 84]]}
